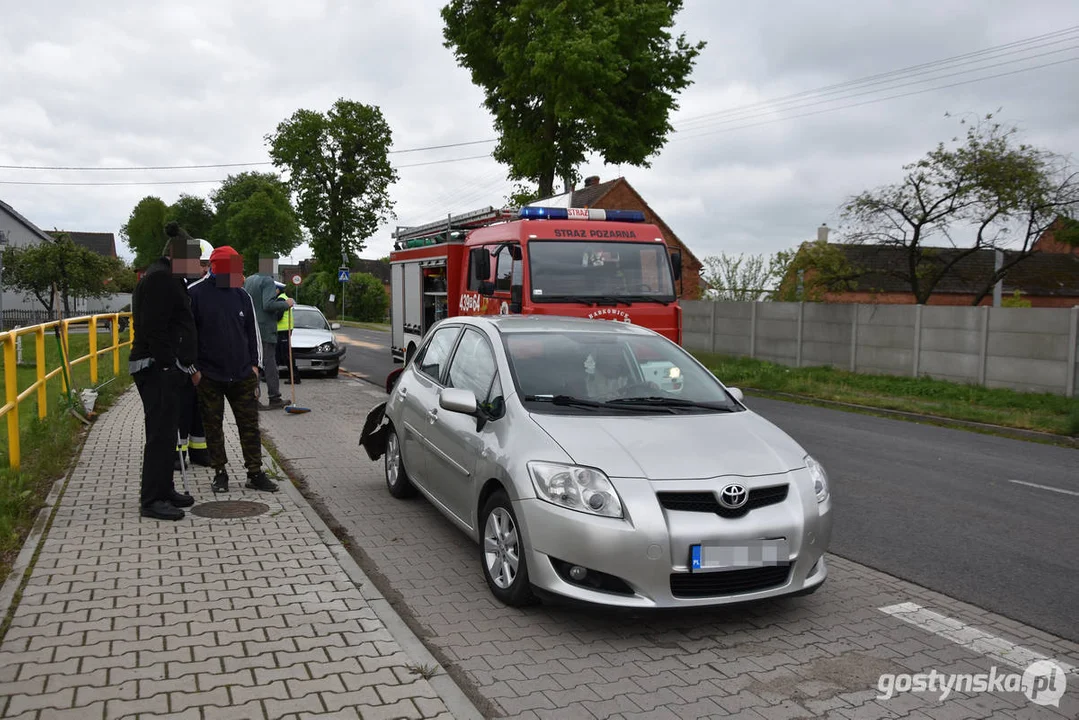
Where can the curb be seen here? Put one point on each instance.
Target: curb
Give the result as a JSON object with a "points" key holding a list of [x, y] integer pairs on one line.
{"points": [[1015, 433], [457, 702]]}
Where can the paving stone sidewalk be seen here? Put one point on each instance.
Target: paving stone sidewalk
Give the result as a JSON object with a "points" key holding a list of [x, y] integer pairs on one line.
{"points": [[202, 618]]}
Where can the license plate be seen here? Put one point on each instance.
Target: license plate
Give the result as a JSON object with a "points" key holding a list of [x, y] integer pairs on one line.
{"points": [[734, 556], [304, 363]]}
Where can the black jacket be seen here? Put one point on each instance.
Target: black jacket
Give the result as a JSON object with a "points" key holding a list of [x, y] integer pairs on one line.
{"points": [[229, 342], [162, 320]]}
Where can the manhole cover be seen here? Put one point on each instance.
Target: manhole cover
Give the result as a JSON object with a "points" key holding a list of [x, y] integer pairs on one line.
{"points": [[229, 509]]}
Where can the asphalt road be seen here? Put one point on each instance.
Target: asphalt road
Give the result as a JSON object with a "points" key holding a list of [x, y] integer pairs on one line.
{"points": [[941, 508], [944, 509], [367, 354]]}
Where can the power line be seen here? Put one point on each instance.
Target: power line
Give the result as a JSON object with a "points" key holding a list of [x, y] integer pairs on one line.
{"points": [[898, 74], [223, 165], [847, 96], [194, 182], [876, 100], [706, 128]]}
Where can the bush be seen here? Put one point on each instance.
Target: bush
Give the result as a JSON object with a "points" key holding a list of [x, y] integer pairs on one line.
{"points": [[365, 296]]}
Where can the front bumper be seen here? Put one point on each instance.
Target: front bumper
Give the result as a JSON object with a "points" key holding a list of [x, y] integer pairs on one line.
{"points": [[311, 360], [648, 552]]}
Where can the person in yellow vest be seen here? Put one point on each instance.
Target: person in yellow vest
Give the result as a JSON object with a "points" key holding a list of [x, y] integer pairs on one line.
{"points": [[284, 328]]}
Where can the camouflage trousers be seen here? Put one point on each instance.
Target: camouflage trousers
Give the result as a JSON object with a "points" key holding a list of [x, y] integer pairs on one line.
{"points": [[243, 399]]}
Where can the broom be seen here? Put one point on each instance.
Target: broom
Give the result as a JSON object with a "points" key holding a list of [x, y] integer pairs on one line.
{"points": [[293, 408]]}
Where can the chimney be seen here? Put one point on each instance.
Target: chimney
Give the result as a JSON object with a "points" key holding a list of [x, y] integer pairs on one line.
{"points": [[591, 180], [822, 233]]}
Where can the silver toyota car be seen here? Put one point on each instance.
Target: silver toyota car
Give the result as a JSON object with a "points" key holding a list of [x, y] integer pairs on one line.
{"points": [[549, 441]]}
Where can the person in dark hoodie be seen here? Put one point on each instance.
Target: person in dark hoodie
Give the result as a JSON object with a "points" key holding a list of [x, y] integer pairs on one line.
{"points": [[229, 357], [162, 363]]}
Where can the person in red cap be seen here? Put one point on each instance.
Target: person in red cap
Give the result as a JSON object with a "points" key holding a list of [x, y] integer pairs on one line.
{"points": [[229, 357]]}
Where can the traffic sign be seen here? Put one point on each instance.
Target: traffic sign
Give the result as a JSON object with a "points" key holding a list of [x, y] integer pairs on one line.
{"points": [[297, 280], [342, 275]]}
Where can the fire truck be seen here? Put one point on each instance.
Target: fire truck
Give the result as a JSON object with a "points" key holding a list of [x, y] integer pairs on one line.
{"points": [[581, 262]]}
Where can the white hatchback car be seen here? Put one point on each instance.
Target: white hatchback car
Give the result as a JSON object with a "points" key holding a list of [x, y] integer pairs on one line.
{"points": [[550, 444]]}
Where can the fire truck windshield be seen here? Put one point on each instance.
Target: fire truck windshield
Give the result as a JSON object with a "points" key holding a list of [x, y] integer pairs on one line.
{"points": [[563, 270]]}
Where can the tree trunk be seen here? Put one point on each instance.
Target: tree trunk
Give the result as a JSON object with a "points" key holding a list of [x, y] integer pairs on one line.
{"points": [[546, 178]]}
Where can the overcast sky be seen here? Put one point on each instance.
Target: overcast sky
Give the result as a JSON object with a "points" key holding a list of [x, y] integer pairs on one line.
{"points": [[203, 81]]}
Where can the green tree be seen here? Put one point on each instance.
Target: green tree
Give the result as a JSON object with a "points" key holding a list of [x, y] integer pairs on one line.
{"points": [[986, 185], [59, 268], [365, 296], [743, 277], [253, 215], [814, 270], [522, 195], [144, 231], [195, 215], [340, 173], [566, 79]]}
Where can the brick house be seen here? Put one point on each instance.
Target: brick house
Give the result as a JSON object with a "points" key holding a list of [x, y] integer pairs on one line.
{"points": [[618, 194], [1047, 278]]}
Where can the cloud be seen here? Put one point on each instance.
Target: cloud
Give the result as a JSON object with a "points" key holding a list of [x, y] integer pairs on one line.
{"points": [[204, 81]]}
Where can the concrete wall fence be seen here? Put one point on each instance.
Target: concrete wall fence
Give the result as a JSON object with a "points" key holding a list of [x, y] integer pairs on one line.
{"points": [[1027, 349]]}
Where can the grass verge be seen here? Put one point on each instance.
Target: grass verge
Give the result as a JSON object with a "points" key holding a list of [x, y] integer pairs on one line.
{"points": [[380, 327], [48, 445], [1043, 412]]}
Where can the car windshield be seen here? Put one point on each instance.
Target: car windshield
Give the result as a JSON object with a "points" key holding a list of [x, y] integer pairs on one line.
{"points": [[586, 269], [586, 371], [309, 319]]}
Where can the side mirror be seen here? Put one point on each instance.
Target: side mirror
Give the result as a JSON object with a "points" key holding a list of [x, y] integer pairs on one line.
{"points": [[676, 264], [736, 394], [458, 400], [335, 326], [479, 267], [516, 253]]}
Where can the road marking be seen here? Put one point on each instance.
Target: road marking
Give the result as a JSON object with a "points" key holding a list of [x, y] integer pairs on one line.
{"points": [[1045, 487], [360, 343], [969, 637]]}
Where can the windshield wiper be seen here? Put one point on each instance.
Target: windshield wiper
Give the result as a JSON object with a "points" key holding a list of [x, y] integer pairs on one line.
{"points": [[666, 402], [646, 298], [570, 401], [563, 400], [589, 300]]}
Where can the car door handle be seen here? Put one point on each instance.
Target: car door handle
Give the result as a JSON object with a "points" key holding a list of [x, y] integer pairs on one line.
{"points": [[404, 392], [432, 415]]}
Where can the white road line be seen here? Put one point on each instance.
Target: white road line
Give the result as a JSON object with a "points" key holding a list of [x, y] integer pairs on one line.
{"points": [[1045, 487], [969, 637]]}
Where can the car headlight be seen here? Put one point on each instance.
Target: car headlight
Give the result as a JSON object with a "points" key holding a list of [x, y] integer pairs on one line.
{"points": [[577, 488], [326, 347], [820, 478]]}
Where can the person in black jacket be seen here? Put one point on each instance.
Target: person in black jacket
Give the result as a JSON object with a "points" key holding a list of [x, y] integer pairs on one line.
{"points": [[161, 363], [229, 357]]}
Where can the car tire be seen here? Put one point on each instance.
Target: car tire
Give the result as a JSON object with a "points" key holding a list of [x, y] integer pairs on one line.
{"points": [[333, 373], [397, 480], [505, 557]]}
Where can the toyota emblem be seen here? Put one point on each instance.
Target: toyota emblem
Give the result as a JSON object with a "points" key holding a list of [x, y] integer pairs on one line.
{"points": [[733, 496]]}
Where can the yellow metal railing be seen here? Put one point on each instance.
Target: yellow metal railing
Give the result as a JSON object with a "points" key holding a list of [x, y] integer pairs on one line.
{"points": [[13, 397]]}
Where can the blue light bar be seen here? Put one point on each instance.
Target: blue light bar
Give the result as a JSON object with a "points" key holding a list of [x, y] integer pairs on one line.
{"points": [[625, 215], [543, 213], [556, 213]]}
